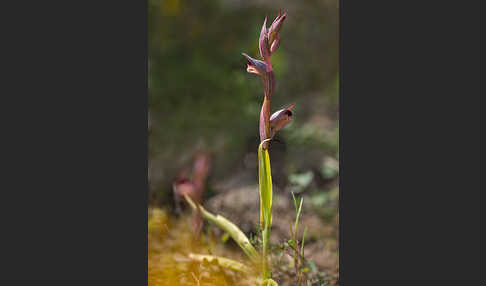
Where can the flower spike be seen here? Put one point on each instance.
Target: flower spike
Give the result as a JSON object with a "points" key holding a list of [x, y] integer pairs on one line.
{"points": [[268, 43]]}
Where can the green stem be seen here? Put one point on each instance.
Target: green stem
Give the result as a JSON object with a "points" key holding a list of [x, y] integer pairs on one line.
{"points": [[266, 239]]}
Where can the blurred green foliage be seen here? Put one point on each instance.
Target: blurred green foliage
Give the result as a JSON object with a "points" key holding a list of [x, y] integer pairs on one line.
{"points": [[300, 181]]}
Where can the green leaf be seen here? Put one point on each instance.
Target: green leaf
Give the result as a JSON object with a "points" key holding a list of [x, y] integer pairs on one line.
{"points": [[291, 243], [295, 200], [299, 209], [303, 242], [238, 236], [265, 182]]}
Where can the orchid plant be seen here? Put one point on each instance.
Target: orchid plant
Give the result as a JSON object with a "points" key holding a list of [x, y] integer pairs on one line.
{"points": [[269, 42]]}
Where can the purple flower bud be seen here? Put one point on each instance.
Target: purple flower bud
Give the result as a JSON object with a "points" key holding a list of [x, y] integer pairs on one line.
{"points": [[280, 119], [273, 33], [263, 43]]}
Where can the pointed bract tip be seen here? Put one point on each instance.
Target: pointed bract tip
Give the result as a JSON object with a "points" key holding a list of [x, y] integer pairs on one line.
{"points": [[264, 26]]}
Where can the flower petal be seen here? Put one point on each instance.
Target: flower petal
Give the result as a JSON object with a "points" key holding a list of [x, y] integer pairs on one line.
{"points": [[280, 119], [255, 66]]}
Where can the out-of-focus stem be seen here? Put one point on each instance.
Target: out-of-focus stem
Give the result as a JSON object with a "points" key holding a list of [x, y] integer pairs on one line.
{"points": [[225, 262], [237, 235]]}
